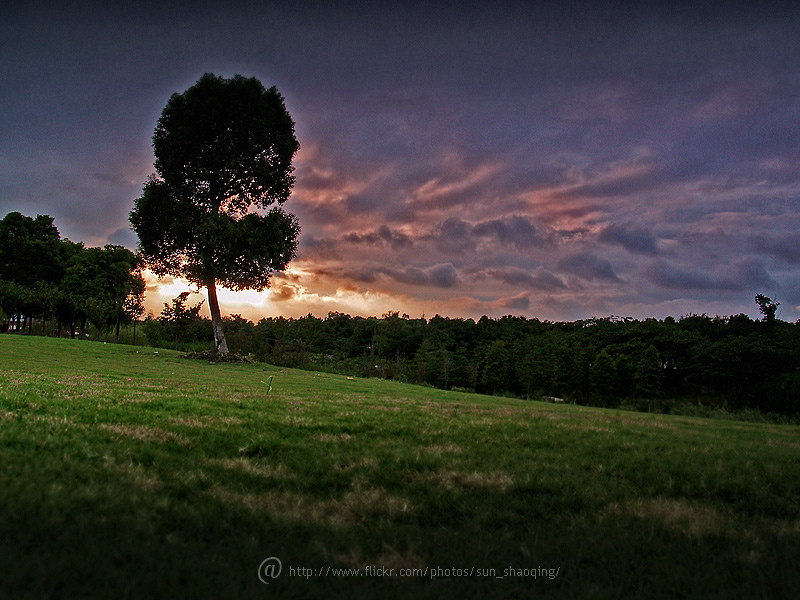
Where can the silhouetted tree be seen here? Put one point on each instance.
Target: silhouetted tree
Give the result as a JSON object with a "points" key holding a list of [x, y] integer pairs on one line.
{"points": [[29, 260], [177, 319], [102, 284], [768, 307], [29, 250], [222, 148]]}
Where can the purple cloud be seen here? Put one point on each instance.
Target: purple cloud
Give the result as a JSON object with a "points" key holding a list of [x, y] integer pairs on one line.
{"points": [[634, 239], [588, 266]]}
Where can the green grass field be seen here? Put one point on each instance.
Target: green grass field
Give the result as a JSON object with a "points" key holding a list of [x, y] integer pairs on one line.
{"points": [[126, 473]]}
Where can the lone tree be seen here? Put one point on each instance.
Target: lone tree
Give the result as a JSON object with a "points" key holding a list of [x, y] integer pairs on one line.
{"points": [[768, 307], [212, 211]]}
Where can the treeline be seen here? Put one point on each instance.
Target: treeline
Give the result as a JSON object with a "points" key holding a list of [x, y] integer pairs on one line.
{"points": [[735, 362], [61, 284]]}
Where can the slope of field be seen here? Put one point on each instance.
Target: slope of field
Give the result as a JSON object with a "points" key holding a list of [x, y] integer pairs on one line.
{"points": [[129, 473]]}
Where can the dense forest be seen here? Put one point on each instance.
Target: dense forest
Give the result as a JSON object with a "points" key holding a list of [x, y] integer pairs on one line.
{"points": [[51, 286], [733, 362], [64, 283]]}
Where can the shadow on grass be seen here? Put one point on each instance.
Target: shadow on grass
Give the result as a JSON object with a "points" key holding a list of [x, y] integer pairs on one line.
{"points": [[125, 530]]}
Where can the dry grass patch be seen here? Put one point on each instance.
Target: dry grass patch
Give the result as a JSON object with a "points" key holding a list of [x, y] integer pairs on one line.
{"points": [[475, 481], [365, 462], [204, 421], [136, 475], [692, 519], [444, 449], [144, 434], [584, 427], [360, 505], [776, 442], [244, 465], [331, 437], [386, 408], [226, 420], [388, 557], [296, 421], [192, 422]]}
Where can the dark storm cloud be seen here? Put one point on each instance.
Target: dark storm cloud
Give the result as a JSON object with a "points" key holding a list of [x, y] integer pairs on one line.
{"points": [[442, 276], [632, 238], [454, 236], [667, 275], [784, 245], [538, 279], [457, 236], [514, 231], [744, 274], [381, 236], [588, 266]]}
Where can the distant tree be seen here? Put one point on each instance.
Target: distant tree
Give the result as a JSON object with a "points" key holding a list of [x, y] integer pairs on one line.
{"points": [[103, 284], [177, 319], [133, 305], [29, 250], [767, 306], [496, 374], [14, 300], [29, 260], [223, 148], [649, 374], [603, 378]]}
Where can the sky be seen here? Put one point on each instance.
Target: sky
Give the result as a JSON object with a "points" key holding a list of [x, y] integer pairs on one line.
{"points": [[558, 160]]}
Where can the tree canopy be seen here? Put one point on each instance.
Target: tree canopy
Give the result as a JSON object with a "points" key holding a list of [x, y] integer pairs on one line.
{"points": [[42, 275], [29, 249], [212, 211]]}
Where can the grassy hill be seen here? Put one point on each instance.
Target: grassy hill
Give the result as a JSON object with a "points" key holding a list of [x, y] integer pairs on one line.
{"points": [[129, 473]]}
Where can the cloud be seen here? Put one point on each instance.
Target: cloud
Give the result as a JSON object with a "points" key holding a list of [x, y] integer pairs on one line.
{"points": [[588, 266], [743, 274], [458, 182], [283, 292], [454, 236], [634, 239], [521, 301], [124, 237], [380, 237], [785, 246], [509, 150], [442, 276], [521, 233], [516, 231], [669, 276], [539, 279]]}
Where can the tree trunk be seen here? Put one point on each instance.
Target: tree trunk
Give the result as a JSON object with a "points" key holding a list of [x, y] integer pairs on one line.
{"points": [[220, 344]]}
